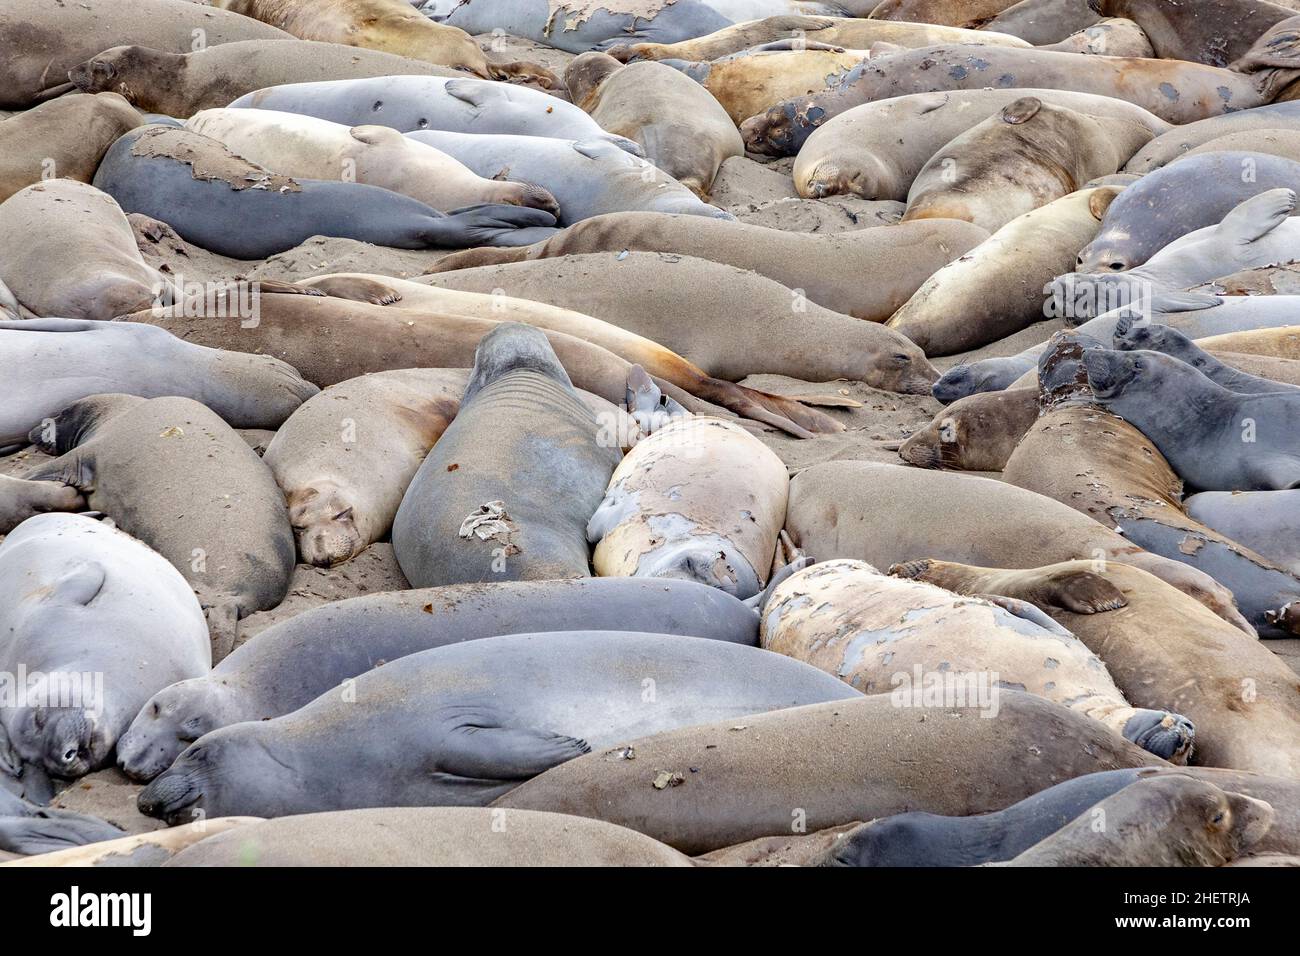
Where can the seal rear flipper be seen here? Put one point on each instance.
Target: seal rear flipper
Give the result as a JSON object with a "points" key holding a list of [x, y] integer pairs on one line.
{"points": [[1255, 218], [505, 753], [74, 469], [776, 410]]}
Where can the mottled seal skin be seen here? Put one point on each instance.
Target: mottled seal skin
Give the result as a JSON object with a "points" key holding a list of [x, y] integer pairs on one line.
{"points": [[1116, 37], [824, 267], [292, 663], [1215, 32], [957, 13], [463, 724], [144, 462], [891, 513], [852, 33], [876, 150], [430, 836], [46, 40], [391, 26], [309, 148], [1178, 199], [1106, 468], [680, 127], [1058, 149], [886, 759], [1131, 335], [1209, 450], [29, 829], [1168, 146], [1175, 91], [1043, 22], [545, 465], [587, 177], [975, 433], [209, 196], [1242, 698], [67, 250], [181, 84], [65, 137], [850, 620], [1265, 521], [55, 362], [410, 103], [1162, 821], [346, 457], [996, 289], [82, 599], [700, 499]]}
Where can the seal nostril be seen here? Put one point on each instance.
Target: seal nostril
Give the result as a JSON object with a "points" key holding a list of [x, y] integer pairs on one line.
{"points": [[423, 124], [1117, 266], [379, 105]]}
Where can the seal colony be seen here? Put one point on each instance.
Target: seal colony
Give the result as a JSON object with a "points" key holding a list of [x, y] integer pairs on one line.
{"points": [[422, 415]]}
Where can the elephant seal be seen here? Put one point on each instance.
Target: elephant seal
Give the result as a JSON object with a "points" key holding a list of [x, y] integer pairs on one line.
{"points": [[149, 849], [1059, 149], [94, 624], [588, 177], [1159, 208], [956, 13], [1043, 22], [1264, 521], [209, 196], [67, 250], [851, 33], [308, 148], [182, 84], [173, 474], [996, 289], [290, 664], [679, 294], [1175, 91], [516, 507], [1214, 32], [65, 137], [1241, 697], [975, 433], [1168, 146], [346, 457], [700, 499], [886, 759], [46, 40], [679, 126], [1104, 467], [786, 414], [390, 26], [892, 513], [1131, 335], [1234, 441], [874, 631], [1275, 343], [1111, 37], [28, 829], [20, 499], [1162, 821], [877, 149], [430, 836], [1283, 143], [533, 701], [410, 103], [55, 362], [901, 257]]}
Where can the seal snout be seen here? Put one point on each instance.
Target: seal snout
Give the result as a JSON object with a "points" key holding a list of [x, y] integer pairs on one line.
{"points": [[169, 795], [1168, 736]]}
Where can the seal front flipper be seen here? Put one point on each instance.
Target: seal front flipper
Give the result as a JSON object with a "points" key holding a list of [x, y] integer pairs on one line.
{"points": [[223, 624], [356, 289], [476, 748], [75, 469], [1257, 216], [1027, 611]]}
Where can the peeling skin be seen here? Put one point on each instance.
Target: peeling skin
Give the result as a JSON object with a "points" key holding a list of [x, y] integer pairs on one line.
{"points": [[848, 619], [215, 165]]}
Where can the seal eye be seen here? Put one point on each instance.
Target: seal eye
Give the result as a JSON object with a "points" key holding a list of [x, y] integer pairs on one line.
{"points": [[901, 359], [70, 755], [157, 711]]}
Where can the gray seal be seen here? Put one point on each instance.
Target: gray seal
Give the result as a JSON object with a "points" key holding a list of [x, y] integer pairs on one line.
{"points": [[232, 207], [28, 829], [170, 472], [507, 492], [55, 362], [1216, 440], [1180, 140], [291, 664], [1264, 521], [408, 103], [1132, 334], [92, 624], [464, 724]]}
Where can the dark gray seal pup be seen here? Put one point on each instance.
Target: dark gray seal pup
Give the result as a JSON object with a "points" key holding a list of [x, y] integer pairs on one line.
{"points": [[507, 492], [1216, 440], [235, 208], [1134, 335], [463, 724], [28, 829], [1177, 199], [291, 664], [170, 472], [54, 362], [92, 624]]}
